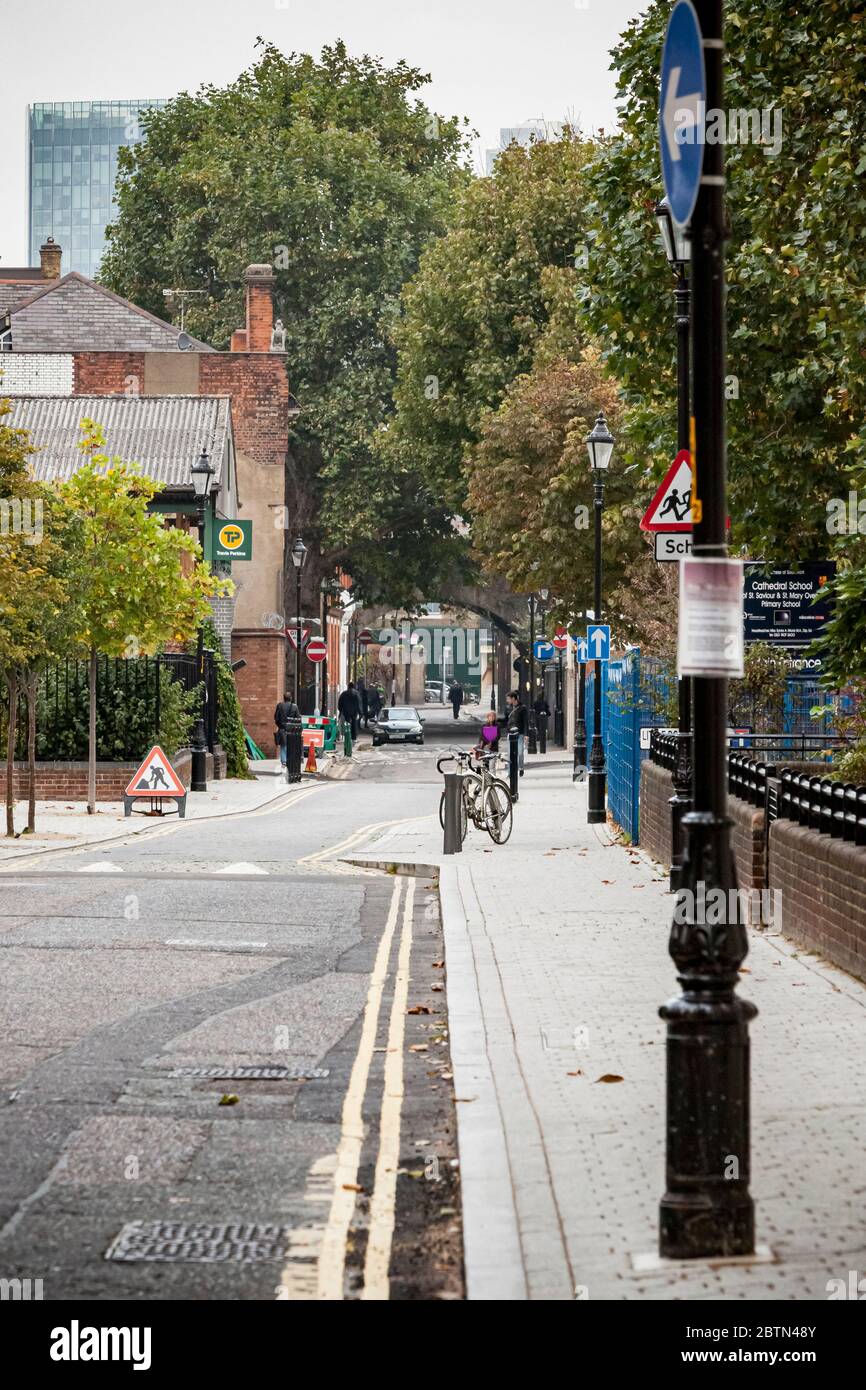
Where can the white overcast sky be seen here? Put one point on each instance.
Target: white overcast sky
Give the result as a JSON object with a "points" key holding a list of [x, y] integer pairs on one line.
{"points": [[499, 62]]}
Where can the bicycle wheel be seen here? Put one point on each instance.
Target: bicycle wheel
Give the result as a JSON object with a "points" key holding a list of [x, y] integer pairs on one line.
{"points": [[497, 812]]}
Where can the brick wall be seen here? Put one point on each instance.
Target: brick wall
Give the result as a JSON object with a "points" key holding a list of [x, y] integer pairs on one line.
{"points": [[261, 682], [747, 832], [67, 781], [258, 384], [109, 373], [823, 893], [656, 789]]}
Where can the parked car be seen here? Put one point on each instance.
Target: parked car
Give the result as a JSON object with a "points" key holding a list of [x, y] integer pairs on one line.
{"points": [[399, 724], [434, 693]]}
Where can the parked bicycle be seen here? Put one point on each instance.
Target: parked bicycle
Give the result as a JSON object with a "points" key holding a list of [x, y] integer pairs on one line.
{"points": [[484, 798]]}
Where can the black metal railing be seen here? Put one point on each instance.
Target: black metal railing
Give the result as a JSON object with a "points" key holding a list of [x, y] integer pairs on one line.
{"points": [[832, 808], [131, 701]]}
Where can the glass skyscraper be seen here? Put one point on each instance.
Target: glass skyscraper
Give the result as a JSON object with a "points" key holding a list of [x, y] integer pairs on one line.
{"points": [[73, 164]]}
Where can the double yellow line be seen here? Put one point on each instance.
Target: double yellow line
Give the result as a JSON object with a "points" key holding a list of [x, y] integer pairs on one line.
{"points": [[332, 1250]]}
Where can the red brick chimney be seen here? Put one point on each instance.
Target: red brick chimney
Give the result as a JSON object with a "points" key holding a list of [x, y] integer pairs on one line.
{"points": [[256, 336], [50, 256]]}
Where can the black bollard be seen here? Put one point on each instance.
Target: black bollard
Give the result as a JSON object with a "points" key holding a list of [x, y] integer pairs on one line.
{"points": [[513, 765], [453, 840], [542, 732], [294, 750]]}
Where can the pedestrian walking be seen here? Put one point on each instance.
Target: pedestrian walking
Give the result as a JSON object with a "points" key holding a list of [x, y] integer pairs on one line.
{"points": [[375, 700], [455, 695], [364, 696], [285, 710], [518, 718], [349, 708]]}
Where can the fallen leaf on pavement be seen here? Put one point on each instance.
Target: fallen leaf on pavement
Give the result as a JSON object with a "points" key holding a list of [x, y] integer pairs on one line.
{"points": [[436, 987], [575, 1073], [609, 1076], [229, 1100], [438, 965], [417, 1047], [352, 1187], [419, 1009], [464, 1100], [608, 880]]}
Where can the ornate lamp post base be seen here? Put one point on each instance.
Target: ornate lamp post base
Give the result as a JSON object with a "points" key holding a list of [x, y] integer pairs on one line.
{"points": [[706, 1209], [596, 813]]}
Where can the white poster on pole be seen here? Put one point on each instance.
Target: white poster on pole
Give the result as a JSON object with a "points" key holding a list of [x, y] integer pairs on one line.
{"points": [[711, 617]]}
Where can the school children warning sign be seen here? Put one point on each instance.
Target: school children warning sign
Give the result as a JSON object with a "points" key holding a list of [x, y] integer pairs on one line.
{"points": [[671, 508], [156, 777]]}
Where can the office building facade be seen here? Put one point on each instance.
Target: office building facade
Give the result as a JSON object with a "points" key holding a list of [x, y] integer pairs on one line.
{"points": [[72, 159]]}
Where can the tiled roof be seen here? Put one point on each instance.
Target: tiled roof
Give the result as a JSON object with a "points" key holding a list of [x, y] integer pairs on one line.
{"points": [[164, 435], [75, 314], [13, 291]]}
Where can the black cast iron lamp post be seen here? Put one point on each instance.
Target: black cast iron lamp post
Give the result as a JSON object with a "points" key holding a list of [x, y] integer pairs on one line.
{"points": [[677, 249], [599, 444], [532, 741], [299, 555], [201, 473], [707, 1209]]}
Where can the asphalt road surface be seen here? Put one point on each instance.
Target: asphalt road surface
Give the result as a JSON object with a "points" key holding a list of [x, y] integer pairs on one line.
{"points": [[142, 980]]}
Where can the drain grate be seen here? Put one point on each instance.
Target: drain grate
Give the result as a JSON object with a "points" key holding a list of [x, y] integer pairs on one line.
{"points": [[254, 1073], [204, 1244]]}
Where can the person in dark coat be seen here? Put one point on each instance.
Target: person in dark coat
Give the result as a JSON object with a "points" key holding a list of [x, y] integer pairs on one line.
{"points": [[349, 708], [455, 695], [374, 701], [518, 719], [285, 710], [364, 697]]}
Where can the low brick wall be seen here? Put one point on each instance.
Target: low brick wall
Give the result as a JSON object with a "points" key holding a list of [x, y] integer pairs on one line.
{"points": [[747, 835], [68, 781], [656, 789], [823, 887]]}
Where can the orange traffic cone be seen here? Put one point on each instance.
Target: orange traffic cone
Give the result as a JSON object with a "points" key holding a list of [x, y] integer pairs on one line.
{"points": [[310, 765]]}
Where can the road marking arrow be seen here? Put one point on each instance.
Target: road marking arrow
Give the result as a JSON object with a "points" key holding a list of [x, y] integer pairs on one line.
{"points": [[682, 111]]}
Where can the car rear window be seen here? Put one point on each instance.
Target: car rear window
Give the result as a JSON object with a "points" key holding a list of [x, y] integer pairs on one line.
{"points": [[398, 713]]}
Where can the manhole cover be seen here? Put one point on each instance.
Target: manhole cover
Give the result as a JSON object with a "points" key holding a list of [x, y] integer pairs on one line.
{"points": [[205, 1244], [254, 1073]]}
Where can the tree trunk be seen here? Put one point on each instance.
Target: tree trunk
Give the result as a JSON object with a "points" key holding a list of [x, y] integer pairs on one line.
{"points": [[31, 750], [91, 736], [12, 682]]}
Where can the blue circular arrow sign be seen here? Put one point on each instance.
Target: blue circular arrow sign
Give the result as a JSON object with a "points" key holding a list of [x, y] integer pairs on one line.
{"points": [[682, 111]]}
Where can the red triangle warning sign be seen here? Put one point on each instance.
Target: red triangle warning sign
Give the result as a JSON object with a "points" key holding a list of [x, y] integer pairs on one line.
{"points": [[156, 777], [671, 508], [292, 634]]}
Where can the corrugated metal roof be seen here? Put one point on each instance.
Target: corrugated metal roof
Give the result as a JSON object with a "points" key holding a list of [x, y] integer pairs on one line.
{"points": [[164, 435]]}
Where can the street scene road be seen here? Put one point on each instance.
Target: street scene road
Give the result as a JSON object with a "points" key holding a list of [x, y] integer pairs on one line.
{"points": [[432, 676], [145, 978]]}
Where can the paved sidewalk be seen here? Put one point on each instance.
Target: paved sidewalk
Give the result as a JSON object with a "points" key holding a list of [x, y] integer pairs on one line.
{"points": [[66, 824], [556, 952]]}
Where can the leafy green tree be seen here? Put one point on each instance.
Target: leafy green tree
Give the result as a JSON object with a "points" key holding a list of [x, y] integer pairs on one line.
{"points": [[796, 267], [334, 172], [530, 492], [483, 295], [230, 724], [137, 590], [38, 585]]}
